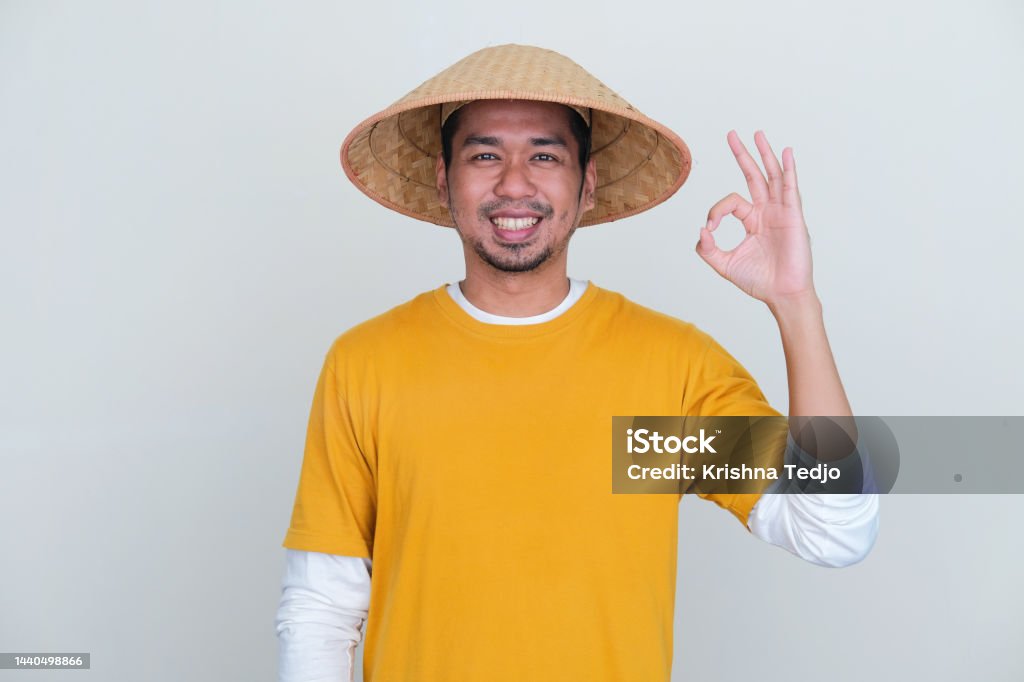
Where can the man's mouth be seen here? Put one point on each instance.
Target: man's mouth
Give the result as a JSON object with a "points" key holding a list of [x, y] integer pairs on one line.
{"points": [[515, 229], [514, 224]]}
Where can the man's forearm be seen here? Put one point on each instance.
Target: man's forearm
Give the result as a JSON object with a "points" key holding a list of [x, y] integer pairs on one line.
{"points": [[815, 389], [814, 385], [324, 603], [831, 529]]}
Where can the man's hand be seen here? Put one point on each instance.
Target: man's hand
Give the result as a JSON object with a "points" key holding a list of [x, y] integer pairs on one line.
{"points": [[773, 262]]}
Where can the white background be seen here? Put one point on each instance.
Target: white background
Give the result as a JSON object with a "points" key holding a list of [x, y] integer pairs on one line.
{"points": [[180, 247]]}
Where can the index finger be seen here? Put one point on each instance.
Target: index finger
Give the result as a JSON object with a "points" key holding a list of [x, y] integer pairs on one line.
{"points": [[755, 180]]}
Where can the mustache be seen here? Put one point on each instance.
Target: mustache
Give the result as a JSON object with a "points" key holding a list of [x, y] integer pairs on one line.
{"points": [[536, 206]]}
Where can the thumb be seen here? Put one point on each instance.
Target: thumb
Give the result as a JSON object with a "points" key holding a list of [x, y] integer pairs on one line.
{"points": [[709, 251]]}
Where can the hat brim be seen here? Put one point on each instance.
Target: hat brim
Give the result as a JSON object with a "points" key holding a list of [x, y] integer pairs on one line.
{"points": [[392, 155], [392, 158]]}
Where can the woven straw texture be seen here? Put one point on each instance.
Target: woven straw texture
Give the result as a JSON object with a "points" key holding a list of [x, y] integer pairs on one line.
{"points": [[391, 156]]}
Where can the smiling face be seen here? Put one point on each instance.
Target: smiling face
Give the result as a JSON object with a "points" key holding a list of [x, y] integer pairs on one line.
{"points": [[514, 184]]}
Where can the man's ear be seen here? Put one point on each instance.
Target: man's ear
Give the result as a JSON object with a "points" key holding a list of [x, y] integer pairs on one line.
{"points": [[589, 185], [442, 181]]}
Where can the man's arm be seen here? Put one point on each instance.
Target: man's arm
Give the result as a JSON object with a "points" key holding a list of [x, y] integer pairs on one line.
{"points": [[773, 264], [324, 601]]}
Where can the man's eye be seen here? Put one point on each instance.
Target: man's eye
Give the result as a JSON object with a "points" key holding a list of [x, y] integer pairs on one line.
{"points": [[482, 157], [544, 157]]}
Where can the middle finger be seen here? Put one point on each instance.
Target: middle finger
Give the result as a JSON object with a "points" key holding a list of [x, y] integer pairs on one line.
{"points": [[755, 180], [771, 165]]}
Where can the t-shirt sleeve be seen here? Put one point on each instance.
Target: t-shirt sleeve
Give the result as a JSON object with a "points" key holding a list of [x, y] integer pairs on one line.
{"points": [[335, 505], [719, 386]]}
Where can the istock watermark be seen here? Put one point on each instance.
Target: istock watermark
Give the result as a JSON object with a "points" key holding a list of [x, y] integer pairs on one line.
{"points": [[865, 454]]}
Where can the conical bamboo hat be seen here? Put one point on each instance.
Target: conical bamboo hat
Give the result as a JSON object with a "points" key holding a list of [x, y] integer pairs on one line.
{"points": [[391, 156]]}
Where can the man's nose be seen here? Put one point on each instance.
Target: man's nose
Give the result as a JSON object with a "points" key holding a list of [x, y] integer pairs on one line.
{"points": [[515, 181]]}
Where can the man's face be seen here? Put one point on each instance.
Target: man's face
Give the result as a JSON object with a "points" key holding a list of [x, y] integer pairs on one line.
{"points": [[513, 186]]}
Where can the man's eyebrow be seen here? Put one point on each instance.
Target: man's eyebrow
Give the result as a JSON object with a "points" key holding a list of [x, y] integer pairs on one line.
{"points": [[486, 140], [491, 141], [554, 141]]}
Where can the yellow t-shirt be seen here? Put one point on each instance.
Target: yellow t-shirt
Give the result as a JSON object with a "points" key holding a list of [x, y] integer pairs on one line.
{"points": [[471, 462]]}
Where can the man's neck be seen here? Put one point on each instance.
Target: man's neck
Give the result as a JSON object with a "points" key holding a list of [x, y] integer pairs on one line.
{"points": [[515, 294]]}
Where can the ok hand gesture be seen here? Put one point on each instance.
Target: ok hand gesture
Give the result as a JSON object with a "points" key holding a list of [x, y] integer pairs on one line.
{"points": [[773, 262]]}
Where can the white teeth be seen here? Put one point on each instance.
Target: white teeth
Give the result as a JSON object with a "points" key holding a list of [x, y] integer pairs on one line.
{"points": [[515, 223]]}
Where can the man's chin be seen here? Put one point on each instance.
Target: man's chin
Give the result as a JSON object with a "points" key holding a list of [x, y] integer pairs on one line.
{"points": [[522, 264]]}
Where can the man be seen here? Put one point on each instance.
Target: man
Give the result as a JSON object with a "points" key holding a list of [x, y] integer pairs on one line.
{"points": [[458, 443]]}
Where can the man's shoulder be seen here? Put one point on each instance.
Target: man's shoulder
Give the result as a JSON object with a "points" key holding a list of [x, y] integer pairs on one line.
{"points": [[393, 325], [643, 319]]}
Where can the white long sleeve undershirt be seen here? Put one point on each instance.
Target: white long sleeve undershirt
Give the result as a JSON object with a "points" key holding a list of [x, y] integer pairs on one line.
{"points": [[325, 598]]}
